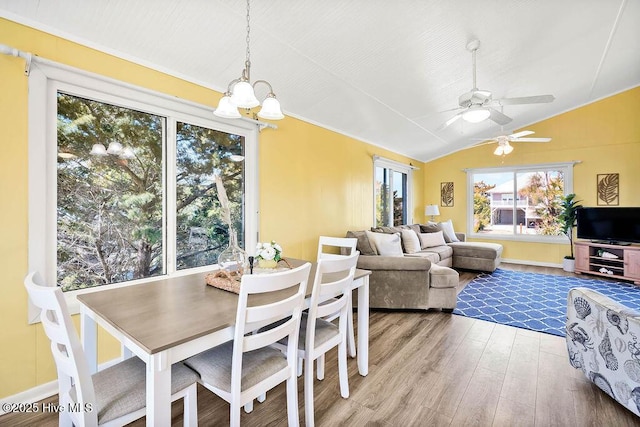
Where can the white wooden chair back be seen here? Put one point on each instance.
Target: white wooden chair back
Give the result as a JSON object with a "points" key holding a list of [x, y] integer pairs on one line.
{"points": [[293, 285], [344, 245], [73, 370], [330, 295]]}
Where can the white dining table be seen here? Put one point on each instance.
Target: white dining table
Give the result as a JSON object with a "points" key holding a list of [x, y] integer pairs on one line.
{"points": [[167, 320]]}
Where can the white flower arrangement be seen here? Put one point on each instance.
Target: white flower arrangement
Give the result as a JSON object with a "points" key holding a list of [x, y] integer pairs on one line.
{"points": [[269, 251]]}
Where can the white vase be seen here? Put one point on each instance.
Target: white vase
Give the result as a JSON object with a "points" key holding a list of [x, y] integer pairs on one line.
{"points": [[569, 265]]}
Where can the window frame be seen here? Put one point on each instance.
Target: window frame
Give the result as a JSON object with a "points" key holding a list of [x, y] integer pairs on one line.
{"points": [[46, 79], [394, 166], [565, 167]]}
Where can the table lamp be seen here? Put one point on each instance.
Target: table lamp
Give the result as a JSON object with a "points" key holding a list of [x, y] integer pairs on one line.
{"points": [[431, 210]]}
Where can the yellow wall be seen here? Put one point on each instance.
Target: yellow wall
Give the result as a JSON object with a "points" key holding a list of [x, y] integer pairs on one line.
{"points": [[312, 181], [604, 136]]}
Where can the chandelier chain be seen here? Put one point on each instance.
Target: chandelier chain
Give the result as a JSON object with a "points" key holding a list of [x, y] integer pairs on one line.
{"points": [[248, 33]]}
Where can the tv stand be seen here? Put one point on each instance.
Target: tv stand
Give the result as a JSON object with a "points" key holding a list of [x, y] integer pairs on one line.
{"points": [[610, 242], [608, 260]]}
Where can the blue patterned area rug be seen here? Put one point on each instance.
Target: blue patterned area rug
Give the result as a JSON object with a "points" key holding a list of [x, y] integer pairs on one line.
{"points": [[533, 301]]}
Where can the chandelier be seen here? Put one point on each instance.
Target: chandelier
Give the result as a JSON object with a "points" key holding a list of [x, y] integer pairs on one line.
{"points": [[240, 93]]}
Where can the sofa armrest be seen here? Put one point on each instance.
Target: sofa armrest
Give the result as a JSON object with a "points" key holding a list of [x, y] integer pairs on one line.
{"points": [[461, 236], [377, 262]]}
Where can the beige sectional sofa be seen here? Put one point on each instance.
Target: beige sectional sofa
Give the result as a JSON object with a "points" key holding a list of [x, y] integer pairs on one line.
{"points": [[419, 277]]}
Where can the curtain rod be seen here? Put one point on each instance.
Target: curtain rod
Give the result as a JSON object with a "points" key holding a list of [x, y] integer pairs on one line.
{"points": [[11, 51], [28, 57], [395, 162]]}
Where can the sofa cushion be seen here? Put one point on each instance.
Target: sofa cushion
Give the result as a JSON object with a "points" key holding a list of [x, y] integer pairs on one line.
{"points": [[477, 249], [443, 251], [443, 277], [410, 241], [364, 246], [386, 244], [431, 256], [389, 230], [429, 240]]}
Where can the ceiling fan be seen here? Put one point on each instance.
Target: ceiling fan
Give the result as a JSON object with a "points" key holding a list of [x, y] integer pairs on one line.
{"points": [[503, 141], [477, 104]]}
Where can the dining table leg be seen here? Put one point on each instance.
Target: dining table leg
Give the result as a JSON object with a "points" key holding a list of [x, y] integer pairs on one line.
{"points": [[363, 327], [158, 390], [89, 336]]}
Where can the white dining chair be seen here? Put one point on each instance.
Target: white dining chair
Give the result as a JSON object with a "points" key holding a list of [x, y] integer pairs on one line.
{"points": [[331, 248], [114, 396], [330, 296], [247, 367]]}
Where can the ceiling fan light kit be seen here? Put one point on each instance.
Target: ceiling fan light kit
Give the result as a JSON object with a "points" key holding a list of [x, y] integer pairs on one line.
{"points": [[476, 114], [241, 94], [503, 141], [477, 104], [503, 149]]}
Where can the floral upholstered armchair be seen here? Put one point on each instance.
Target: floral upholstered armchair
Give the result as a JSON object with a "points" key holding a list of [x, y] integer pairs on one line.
{"points": [[603, 340]]}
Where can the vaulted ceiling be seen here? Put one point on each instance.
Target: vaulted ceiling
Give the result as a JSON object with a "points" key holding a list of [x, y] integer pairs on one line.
{"points": [[380, 71]]}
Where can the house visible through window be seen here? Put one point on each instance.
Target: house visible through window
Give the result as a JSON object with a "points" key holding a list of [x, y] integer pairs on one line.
{"points": [[518, 202], [391, 190]]}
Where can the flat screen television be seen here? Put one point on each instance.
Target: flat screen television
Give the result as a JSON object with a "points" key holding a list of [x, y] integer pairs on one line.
{"points": [[612, 225]]}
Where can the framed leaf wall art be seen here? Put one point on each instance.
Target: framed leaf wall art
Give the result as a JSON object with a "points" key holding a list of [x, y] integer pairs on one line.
{"points": [[446, 194], [608, 189]]}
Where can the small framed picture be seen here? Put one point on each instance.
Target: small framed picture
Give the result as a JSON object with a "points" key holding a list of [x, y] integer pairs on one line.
{"points": [[446, 194], [608, 189]]}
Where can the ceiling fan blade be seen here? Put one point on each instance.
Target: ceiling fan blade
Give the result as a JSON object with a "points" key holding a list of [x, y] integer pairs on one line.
{"points": [[498, 117], [521, 134], [531, 140], [538, 99], [450, 121]]}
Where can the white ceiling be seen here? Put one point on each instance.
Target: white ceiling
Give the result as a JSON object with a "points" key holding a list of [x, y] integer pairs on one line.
{"points": [[380, 71]]}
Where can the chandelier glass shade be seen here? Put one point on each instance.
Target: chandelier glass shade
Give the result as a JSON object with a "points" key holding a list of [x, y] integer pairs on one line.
{"points": [[241, 94]]}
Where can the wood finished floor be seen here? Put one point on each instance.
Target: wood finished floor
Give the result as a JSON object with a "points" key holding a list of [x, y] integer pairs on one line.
{"points": [[435, 369]]}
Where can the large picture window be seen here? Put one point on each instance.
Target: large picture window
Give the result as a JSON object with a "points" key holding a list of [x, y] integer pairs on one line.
{"points": [[127, 192], [518, 203]]}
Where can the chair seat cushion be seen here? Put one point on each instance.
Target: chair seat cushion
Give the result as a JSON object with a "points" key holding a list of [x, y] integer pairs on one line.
{"points": [[214, 365], [324, 331], [121, 389]]}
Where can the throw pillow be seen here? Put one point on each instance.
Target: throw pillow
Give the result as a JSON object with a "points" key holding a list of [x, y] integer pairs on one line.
{"points": [[388, 230], [410, 241], [429, 240], [386, 244], [449, 233], [430, 227], [364, 245]]}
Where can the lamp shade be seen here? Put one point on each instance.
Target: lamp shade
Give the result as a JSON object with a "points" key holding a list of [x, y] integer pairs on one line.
{"points": [[226, 109], [476, 114], [243, 96], [271, 109], [431, 210]]}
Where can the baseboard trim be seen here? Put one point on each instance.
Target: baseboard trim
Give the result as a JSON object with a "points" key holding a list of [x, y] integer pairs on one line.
{"points": [[42, 391], [534, 263], [32, 395]]}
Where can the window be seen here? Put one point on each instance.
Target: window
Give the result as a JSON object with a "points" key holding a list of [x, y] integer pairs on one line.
{"points": [[518, 203], [391, 192], [127, 193]]}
